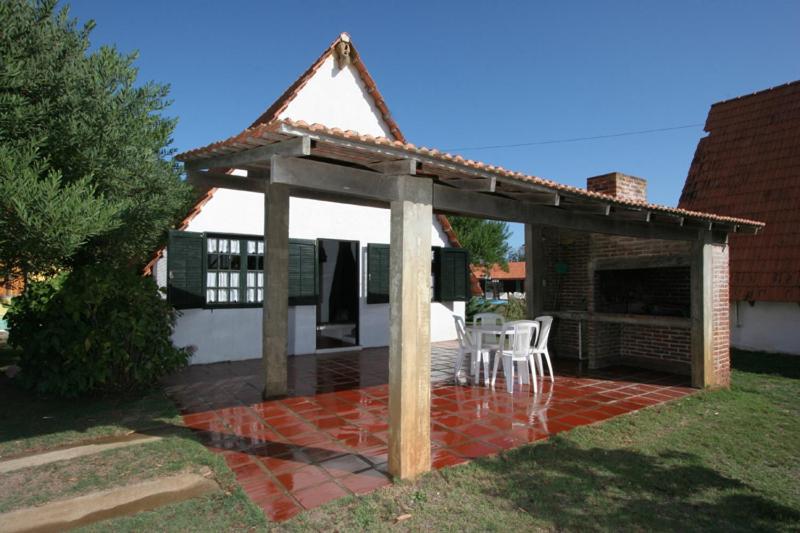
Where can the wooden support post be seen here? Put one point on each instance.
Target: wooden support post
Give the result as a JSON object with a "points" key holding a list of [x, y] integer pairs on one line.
{"points": [[702, 283], [534, 270], [410, 339], [276, 289]]}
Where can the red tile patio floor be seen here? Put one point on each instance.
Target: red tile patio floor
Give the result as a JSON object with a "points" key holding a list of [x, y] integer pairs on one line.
{"points": [[329, 437]]}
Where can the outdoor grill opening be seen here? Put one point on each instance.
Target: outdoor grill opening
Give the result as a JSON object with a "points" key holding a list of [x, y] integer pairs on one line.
{"points": [[655, 291]]}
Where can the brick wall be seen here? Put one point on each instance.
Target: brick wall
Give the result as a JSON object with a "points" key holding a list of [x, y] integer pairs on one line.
{"points": [[721, 348], [570, 286], [619, 185]]}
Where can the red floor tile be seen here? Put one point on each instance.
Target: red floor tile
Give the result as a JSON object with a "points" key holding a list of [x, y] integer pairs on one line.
{"points": [[364, 482], [319, 494], [345, 465], [305, 477], [279, 508], [306, 449]]}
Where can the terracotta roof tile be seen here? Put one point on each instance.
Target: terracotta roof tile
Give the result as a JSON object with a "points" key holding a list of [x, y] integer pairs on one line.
{"points": [[516, 270], [749, 166], [260, 130]]}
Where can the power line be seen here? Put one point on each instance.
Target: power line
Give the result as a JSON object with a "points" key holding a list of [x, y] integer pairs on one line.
{"points": [[575, 139]]}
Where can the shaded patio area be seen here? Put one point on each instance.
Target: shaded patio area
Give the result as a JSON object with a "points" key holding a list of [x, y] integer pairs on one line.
{"points": [[328, 438]]}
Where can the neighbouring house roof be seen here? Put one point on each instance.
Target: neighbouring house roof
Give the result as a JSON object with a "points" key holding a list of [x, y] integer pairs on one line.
{"points": [[516, 270], [283, 101], [748, 166], [363, 149]]}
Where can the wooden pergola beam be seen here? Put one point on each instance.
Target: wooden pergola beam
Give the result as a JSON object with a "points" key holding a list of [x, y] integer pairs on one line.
{"points": [[210, 179], [296, 146]]}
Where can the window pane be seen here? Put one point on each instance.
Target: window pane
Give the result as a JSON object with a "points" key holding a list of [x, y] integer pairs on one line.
{"points": [[236, 262], [260, 265], [251, 295], [224, 261], [211, 295], [234, 279], [223, 246], [260, 295], [234, 295], [261, 247], [260, 279], [234, 247], [251, 247], [222, 295], [252, 262], [211, 279], [223, 279], [213, 261], [212, 245], [251, 279]]}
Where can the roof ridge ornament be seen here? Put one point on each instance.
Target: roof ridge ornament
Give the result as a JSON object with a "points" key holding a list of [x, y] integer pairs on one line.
{"points": [[343, 51]]}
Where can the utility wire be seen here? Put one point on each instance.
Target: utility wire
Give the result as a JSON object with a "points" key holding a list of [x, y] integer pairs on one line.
{"points": [[574, 139]]}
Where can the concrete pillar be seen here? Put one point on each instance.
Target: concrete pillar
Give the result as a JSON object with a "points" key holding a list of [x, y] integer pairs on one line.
{"points": [[534, 270], [410, 337], [276, 289]]}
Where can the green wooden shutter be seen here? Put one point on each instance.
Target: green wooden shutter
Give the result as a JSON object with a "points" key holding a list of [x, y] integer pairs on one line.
{"points": [[451, 282], [303, 278], [185, 260], [377, 273]]}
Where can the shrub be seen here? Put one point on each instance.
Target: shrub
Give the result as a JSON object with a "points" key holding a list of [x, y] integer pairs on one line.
{"points": [[93, 330]]}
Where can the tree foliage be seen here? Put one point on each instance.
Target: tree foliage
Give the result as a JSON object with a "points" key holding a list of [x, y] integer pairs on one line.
{"points": [[93, 330], [83, 148], [486, 240]]}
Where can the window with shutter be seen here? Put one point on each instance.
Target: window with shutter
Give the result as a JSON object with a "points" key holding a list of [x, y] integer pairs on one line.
{"points": [[451, 282], [303, 277], [185, 257], [377, 273]]}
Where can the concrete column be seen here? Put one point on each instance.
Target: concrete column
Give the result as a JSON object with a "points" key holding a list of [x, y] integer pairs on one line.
{"points": [[410, 337], [534, 270], [702, 283], [276, 289]]}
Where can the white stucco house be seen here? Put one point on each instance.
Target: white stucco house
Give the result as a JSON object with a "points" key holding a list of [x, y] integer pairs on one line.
{"points": [[338, 253]]}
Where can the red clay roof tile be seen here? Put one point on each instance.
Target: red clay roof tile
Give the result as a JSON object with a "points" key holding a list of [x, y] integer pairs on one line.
{"points": [[749, 166]]}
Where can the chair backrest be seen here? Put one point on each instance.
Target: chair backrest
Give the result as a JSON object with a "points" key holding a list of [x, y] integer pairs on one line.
{"points": [[488, 318], [520, 333], [461, 332], [545, 322]]}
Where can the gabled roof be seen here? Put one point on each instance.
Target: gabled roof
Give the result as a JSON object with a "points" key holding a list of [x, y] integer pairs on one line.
{"points": [[274, 111], [749, 166]]}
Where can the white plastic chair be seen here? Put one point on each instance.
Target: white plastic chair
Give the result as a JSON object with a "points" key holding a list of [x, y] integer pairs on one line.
{"points": [[465, 345], [540, 348], [484, 319], [519, 335]]}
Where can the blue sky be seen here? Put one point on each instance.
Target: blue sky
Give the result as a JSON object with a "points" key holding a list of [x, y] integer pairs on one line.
{"points": [[471, 74]]}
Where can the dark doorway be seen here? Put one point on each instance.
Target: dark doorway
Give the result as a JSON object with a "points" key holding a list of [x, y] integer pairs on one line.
{"points": [[337, 307]]}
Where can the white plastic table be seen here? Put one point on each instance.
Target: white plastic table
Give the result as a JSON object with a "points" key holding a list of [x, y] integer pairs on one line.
{"points": [[477, 333]]}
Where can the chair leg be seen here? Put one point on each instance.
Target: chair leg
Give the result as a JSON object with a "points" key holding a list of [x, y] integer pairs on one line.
{"points": [[459, 363], [532, 364], [497, 357], [486, 368], [509, 374], [549, 364]]}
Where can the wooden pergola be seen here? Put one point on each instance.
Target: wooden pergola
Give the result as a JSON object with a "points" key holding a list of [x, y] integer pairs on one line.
{"points": [[286, 158]]}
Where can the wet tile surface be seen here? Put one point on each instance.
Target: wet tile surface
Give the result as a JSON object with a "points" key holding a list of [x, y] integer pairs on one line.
{"points": [[329, 437]]}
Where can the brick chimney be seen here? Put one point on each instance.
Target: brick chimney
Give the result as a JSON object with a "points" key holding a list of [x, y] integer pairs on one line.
{"points": [[621, 185]]}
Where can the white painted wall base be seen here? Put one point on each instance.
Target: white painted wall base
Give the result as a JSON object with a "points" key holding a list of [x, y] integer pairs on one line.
{"points": [[766, 326]]}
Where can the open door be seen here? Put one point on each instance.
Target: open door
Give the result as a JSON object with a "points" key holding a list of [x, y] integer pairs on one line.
{"points": [[337, 306]]}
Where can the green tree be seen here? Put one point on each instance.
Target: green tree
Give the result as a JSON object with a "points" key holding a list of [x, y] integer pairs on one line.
{"points": [[486, 240], [83, 148]]}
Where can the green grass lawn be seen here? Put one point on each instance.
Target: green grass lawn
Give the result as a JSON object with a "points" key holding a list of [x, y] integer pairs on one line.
{"points": [[724, 461], [30, 424]]}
